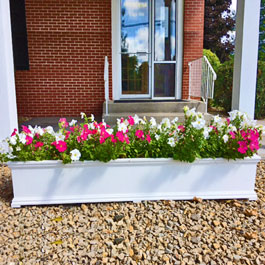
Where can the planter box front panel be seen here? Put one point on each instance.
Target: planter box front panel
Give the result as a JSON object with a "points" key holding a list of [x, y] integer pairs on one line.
{"points": [[51, 182]]}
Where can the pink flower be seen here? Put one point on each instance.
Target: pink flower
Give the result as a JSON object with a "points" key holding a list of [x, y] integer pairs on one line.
{"points": [[131, 120], [28, 140], [72, 129], [26, 129], [61, 146], [242, 147], [14, 132], [127, 140], [233, 135], [113, 138], [63, 122], [139, 134], [254, 145], [214, 128], [78, 138], [84, 136], [148, 138], [39, 145], [181, 128], [228, 121], [67, 135], [120, 136], [101, 139]]}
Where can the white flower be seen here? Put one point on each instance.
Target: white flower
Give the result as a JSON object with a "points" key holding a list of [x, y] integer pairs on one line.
{"points": [[166, 122], [122, 127], [3, 147], [191, 112], [126, 122], [231, 128], [159, 127], [82, 115], [217, 119], [18, 149], [171, 142], [49, 130], [153, 122], [199, 115], [233, 114], [22, 138], [75, 155], [59, 137], [136, 119], [13, 139], [39, 130], [109, 131], [225, 138], [157, 137], [142, 121], [175, 120], [186, 108], [92, 117], [206, 133], [198, 124], [31, 129], [73, 122]]}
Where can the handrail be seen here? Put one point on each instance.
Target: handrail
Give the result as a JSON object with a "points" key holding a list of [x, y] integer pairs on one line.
{"points": [[106, 79], [201, 79]]}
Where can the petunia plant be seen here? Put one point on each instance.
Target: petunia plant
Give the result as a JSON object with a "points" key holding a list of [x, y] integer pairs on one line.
{"points": [[235, 137]]}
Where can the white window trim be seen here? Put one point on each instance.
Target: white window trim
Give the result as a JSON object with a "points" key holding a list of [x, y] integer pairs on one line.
{"points": [[116, 46]]}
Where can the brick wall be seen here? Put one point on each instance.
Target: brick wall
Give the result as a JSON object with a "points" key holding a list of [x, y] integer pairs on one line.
{"points": [[68, 40], [193, 38]]}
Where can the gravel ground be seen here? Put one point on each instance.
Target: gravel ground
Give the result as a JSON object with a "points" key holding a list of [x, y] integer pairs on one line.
{"points": [[162, 232]]}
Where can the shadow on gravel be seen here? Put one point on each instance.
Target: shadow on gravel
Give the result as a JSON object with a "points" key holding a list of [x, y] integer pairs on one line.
{"points": [[6, 190]]}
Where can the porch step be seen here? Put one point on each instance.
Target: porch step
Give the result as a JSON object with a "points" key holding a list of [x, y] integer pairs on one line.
{"points": [[152, 107], [158, 110], [111, 119]]}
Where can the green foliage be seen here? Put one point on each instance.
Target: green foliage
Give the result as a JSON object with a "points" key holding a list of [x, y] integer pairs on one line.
{"points": [[137, 138], [212, 58], [262, 32], [218, 21], [260, 92], [224, 85]]}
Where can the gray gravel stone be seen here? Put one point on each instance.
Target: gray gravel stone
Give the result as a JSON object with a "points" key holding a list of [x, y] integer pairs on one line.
{"points": [[161, 232]]}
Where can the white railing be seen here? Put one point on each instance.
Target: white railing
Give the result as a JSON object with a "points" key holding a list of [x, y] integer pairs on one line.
{"points": [[106, 79], [201, 79]]}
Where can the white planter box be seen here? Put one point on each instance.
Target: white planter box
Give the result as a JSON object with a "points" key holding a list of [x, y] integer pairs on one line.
{"points": [[51, 182]]}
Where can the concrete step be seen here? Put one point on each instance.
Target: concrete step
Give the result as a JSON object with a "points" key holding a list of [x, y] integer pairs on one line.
{"points": [[152, 106], [111, 119]]}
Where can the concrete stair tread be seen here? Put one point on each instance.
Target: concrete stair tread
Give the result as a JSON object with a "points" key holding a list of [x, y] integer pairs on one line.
{"points": [[152, 106]]}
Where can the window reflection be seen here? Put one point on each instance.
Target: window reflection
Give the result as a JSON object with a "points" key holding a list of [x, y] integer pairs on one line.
{"points": [[135, 74], [165, 30], [134, 25]]}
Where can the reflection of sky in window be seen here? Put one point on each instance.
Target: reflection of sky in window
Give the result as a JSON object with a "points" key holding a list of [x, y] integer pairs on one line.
{"points": [[162, 16], [134, 25]]}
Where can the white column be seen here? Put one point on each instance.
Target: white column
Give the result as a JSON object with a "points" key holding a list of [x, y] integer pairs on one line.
{"points": [[8, 107], [246, 56]]}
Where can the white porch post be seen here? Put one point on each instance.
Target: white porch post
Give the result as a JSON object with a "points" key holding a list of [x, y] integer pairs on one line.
{"points": [[246, 55], [8, 107]]}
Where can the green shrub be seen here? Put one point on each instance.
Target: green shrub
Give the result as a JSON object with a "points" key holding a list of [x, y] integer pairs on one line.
{"points": [[260, 92], [224, 85], [212, 58]]}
